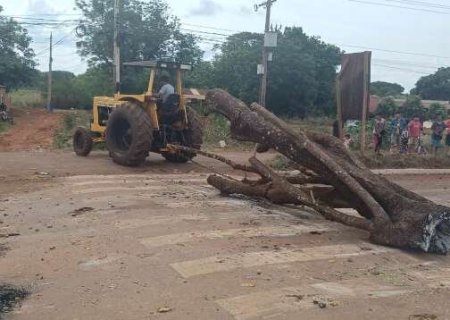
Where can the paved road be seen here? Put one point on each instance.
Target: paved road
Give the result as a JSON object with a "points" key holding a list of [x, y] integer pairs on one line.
{"points": [[168, 246]]}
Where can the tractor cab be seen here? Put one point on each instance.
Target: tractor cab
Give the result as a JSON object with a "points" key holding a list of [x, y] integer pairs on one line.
{"points": [[132, 125], [158, 70]]}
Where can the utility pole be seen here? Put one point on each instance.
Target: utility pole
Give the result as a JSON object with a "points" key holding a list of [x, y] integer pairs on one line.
{"points": [[116, 47], [265, 52], [49, 92]]}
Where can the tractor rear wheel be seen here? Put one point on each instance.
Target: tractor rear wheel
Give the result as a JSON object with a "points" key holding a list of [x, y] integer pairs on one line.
{"points": [[192, 137], [129, 135], [82, 142]]}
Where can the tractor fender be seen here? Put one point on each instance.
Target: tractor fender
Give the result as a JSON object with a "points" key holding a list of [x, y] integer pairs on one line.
{"points": [[150, 109], [132, 100]]}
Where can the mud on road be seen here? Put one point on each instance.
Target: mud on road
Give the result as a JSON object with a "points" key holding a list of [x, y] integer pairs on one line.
{"points": [[98, 241]]}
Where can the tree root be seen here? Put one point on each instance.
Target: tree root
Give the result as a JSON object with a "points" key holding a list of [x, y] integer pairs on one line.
{"points": [[392, 215]]}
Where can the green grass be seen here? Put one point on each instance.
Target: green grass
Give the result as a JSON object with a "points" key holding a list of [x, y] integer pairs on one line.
{"points": [[280, 162], [217, 129], [4, 126], [320, 124], [406, 161], [71, 120], [27, 98]]}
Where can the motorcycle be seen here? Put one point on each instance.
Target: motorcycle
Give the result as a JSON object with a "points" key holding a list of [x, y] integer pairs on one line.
{"points": [[5, 114]]}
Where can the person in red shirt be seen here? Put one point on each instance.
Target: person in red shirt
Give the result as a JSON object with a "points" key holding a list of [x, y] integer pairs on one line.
{"points": [[447, 137], [415, 129]]}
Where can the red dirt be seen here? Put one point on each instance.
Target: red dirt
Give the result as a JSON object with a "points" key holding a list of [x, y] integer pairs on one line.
{"points": [[33, 130]]}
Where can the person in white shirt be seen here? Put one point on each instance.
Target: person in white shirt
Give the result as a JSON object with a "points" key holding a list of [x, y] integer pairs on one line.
{"points": [[166, 89]]}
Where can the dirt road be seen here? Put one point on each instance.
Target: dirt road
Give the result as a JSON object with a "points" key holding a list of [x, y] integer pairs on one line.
{"points": [[33, 130], [98, 241]]}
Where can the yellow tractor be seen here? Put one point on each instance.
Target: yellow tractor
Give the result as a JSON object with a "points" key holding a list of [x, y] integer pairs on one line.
{"points": [[134, 125]]}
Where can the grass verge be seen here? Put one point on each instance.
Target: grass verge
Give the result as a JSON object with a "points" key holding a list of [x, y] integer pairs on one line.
{"points": [[384, 161], [71, 120], [27, 98], [4, 126]]}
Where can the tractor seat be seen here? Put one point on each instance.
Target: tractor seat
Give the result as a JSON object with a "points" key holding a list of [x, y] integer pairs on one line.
{"points": [[169, 111], [172, 102]]}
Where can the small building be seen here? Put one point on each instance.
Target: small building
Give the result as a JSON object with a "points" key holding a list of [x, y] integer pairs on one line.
{"points": [[425, 103], [375, 100]]}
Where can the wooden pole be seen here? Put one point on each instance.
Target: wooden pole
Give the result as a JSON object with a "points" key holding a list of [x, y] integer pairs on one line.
{"points": [[339, 108], [363, 133], [116, 47], [49, 92], [265, 56]]}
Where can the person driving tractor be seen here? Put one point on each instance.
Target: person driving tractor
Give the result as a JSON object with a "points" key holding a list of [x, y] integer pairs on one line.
{"points": [[166, 89]]}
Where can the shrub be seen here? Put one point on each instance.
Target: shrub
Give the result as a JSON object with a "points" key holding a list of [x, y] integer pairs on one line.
{"points": [[437, 109]]}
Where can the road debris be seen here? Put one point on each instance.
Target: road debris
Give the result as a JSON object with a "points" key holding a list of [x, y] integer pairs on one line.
{"points": [[248, 285], [8, 235], [423, 317], [164, 309], [80, 211]]}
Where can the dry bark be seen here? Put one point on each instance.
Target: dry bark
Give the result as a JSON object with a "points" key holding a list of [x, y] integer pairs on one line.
{"points": [[393, 216]]}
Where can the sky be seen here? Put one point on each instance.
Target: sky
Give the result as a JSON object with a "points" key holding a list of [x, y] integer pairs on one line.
{"points": [[406, 43]]}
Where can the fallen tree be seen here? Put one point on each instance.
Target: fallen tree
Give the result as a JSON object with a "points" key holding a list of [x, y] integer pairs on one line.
{"points": [[392, 215]]}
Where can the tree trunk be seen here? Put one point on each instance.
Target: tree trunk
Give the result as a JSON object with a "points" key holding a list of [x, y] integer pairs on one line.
{"points": [[393, 216]]}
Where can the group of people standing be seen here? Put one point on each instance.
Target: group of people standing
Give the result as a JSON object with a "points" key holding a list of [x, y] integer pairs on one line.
{"points": [[406, 135]]}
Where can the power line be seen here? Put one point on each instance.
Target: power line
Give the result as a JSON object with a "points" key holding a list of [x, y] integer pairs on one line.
{"points": [[209, 27], [49, 14], [397, 68], [60, 41], [395, 51], [206, 32], [41, 19], [421, 4], [203, 38], [408, 63], [398, 6]]}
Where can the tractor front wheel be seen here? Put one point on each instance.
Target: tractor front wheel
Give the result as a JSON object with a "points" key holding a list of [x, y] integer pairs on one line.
{"points": [[129, 135], [82, 142]]}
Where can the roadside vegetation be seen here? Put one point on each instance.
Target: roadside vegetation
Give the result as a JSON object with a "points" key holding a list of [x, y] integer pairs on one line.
{"points": [[301, 85], [4, 126], [27, 98], [71, 120]]}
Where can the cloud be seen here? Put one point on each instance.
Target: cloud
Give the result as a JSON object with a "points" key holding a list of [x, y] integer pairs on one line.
{"points": [[40, 7], [206, 8], [246, 10]]}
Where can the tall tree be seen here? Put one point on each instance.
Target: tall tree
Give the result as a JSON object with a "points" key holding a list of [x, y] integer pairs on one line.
{"points": [[147, 31], [385, 89], [96, 81], [16, 56], [437, 109], [234, 68], [435, 86], [301, 75], [201, 76], [412, 107], [387, 107]]}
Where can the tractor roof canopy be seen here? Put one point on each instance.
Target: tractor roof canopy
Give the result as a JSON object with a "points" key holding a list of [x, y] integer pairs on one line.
{"points": [[158, 65]]}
